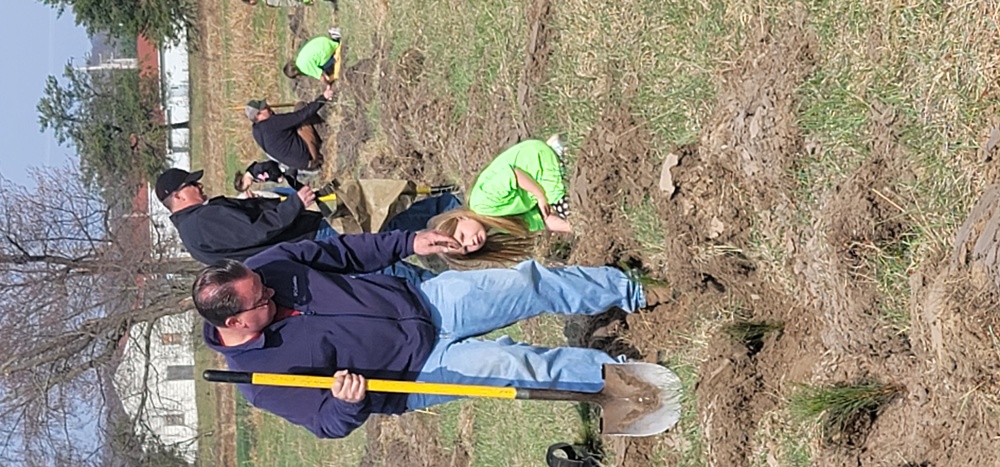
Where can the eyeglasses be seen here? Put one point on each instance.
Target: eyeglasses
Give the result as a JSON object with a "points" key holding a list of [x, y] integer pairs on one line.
{"points": [[264, 300]]}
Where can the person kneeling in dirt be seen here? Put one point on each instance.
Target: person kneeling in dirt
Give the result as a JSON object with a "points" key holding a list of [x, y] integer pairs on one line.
{"points": [[301, 308], [319, 58], [289, 138], [521, 191], [230, 228]]}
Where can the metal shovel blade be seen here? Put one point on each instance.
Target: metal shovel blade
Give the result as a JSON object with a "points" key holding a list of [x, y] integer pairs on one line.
{"points": [[639, 399]]}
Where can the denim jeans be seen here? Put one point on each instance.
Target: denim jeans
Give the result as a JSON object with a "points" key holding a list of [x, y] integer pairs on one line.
{"points": [[409, 271], [415, 218], [325, 231], [471, 303]]}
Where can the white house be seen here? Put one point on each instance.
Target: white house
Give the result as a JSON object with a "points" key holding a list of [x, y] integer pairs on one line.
{"points": [[155, 382]]}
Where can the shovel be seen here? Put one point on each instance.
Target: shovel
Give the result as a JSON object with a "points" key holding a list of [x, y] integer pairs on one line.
{"points": [[638, 399]]}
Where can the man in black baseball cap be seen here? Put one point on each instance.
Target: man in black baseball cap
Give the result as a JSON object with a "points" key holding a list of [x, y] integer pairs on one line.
{"points": [[175, 180], [231, 228]]}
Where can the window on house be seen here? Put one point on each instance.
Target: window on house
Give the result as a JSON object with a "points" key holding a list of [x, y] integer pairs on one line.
{"points": [[180, 372], [172, 338], [173, 419]]}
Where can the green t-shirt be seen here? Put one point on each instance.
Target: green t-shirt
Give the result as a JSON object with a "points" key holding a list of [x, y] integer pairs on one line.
{"points": [[314, 54], [496, 192]]}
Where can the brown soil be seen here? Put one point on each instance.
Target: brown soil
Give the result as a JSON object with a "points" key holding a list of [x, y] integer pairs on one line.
{"points": [[396, 441], [735, 180], [627, 398]]}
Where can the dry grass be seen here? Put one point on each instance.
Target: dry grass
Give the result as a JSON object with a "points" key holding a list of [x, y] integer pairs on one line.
{"points": [[239, 59]]}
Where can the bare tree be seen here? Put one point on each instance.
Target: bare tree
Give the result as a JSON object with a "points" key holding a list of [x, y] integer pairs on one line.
{"points": [[77, 270]]}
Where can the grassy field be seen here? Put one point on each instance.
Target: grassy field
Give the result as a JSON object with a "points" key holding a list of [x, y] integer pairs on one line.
{"points": [[923, 66]]}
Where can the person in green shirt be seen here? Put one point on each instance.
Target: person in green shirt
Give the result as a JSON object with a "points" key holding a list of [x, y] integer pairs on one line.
{"points": [[318, 58], [520, 192]]}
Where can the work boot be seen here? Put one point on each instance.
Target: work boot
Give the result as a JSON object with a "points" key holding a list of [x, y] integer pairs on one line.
{"points": [[656, 291], [657, 294]]}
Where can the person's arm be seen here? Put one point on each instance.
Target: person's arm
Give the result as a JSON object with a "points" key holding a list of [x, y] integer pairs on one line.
{"points": [[526, 183], [315, 409], [358, 254], [273, 170], [271, 221], [297, 118], [345, 254]]}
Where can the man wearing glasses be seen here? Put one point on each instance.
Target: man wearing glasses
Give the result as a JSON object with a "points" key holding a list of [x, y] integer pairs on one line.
{"points": [[230, 228]]}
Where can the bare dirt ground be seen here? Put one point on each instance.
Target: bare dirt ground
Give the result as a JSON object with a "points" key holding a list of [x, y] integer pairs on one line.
{"points": [[736, 176]]}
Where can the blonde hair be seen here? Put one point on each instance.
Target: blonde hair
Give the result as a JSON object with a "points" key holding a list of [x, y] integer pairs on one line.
{"points": [[507, 240]]}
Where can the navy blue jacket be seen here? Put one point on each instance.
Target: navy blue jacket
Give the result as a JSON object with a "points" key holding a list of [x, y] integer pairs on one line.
{"points": [[231, 228], [375, 325], [278, 135]]}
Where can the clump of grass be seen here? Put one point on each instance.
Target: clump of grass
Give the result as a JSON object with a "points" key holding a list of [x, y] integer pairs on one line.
{"points": [[752, 333], [844, 411], [647, 228], [638, 272]]}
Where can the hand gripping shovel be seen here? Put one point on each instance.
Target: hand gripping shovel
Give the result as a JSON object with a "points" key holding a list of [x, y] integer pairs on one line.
{"points": [[638, 399]]}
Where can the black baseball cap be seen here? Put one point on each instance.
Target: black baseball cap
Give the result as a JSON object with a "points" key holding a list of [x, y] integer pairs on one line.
{"points": [[175, 179]]}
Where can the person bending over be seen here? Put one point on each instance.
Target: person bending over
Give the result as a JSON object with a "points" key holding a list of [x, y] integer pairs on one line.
{"points": [[289, 138], [319, 58]]}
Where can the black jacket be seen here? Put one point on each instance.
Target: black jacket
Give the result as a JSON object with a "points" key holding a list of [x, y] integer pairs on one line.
{"points": [[278, 135], [230, 228]]}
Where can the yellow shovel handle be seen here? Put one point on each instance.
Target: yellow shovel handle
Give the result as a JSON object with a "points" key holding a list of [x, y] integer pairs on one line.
{"points": [[375, 385]]}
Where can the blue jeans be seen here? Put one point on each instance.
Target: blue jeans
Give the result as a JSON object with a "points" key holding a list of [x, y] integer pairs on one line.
{"points": [[409, 271], [415, 218], [325, 231], [472, 303]]}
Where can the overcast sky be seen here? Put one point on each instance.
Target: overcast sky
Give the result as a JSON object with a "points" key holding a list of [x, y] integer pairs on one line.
{"points": [[33, 44]]}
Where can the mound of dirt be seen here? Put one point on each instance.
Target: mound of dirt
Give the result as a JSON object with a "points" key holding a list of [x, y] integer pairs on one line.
{"points": [[613, 168], [949, 414]]}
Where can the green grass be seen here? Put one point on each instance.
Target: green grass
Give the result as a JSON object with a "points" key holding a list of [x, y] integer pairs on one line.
{"points": [[279, 444], [839, 407], [891, 267], [658, 57], [517, 433], [204, 399], [475, 43], [752, 333], [246, 433], [647, 227], [695, 450]]}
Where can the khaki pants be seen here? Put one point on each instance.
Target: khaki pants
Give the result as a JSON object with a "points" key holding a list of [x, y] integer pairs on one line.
{"points": [[311, 137], [308, 134]]}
